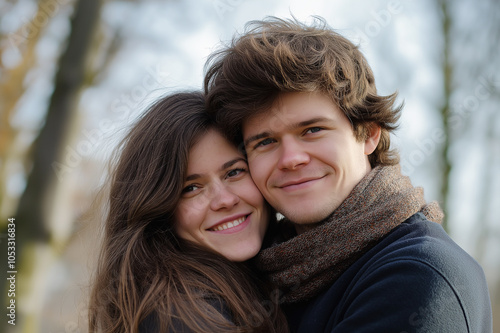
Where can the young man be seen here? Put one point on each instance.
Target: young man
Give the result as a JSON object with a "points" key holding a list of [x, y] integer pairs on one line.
{"points": [[367, 253]]}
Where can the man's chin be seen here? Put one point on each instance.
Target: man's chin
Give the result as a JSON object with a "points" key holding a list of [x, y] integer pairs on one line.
{"points": [[305, 218]]}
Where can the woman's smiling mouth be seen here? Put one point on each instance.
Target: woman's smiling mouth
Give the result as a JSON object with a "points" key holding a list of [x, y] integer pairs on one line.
{"points": [[229, 225]]}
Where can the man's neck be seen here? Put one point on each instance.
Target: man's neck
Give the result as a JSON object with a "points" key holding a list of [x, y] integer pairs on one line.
{"points": [[301, 228]]}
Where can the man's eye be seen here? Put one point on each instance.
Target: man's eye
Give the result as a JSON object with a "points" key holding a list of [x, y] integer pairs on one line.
{"points": [[313, 130], [264, 142]]}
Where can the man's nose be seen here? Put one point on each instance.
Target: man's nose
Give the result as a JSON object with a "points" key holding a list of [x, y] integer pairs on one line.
{"points": [[292, 154]]}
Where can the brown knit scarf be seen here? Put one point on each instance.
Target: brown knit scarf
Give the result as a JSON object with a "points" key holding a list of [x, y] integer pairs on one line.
{"points": [[304, 265]]}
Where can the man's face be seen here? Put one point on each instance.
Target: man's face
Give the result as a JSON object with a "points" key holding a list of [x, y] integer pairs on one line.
{"points": [[303, 155]]}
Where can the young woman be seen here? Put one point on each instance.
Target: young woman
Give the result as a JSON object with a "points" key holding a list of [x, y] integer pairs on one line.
{"points": [[184, 216]]}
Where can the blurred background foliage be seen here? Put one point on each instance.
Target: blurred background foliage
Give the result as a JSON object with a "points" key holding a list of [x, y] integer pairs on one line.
{"points": [[75, 74]]}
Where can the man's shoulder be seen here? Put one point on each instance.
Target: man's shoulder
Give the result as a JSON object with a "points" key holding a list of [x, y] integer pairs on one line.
{"points": [[414, 269], [419, 246], [418, 239], [420, 243]]}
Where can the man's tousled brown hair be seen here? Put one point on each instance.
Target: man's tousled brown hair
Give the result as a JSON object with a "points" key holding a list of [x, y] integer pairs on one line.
{"points": [[275, 56]]}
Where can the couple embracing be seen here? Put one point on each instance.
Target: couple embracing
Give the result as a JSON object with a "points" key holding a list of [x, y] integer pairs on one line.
{"points": [[290, 122]]}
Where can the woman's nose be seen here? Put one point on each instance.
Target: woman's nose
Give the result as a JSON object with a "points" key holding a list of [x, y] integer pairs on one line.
{"points": [[223, 198]]}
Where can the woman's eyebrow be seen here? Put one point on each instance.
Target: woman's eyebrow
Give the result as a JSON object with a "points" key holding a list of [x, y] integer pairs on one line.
{"points": [[193, 176], [224, 166], [231, 163]]}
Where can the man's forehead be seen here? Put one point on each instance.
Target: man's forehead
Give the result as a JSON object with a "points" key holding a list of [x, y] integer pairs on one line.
{"points": [[290, 110], [268, 121], [273, 118]]}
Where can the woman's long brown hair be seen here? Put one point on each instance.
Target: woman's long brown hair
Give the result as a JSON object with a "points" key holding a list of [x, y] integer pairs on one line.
{"points": [[144, 269]]}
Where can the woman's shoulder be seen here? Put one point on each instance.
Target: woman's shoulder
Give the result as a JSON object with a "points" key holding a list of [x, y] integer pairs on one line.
{"points": [[152, 323]]}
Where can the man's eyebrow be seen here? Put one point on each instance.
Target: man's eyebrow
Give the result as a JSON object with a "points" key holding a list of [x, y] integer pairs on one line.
{"points": [[304, 123], [256, 137], [311, 122], [224, 166]]}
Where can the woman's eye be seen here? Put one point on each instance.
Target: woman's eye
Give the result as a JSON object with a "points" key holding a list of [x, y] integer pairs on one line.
{"points": [[313, 130], [264, 142], [189, 188], [235, 172]]}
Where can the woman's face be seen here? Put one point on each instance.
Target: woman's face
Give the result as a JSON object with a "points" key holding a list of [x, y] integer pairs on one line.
{"points": [[220, 207]]}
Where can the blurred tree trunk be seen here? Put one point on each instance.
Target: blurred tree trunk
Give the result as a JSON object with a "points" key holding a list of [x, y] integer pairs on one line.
{"points": [[445, 108], [12, 88], [36, 201]]}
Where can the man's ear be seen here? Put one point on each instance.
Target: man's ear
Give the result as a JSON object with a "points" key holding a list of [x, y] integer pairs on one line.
{"points": [[373, 137]]}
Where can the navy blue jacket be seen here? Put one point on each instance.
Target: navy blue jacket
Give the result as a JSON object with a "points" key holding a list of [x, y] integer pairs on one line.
{"points": [[417, 279]]}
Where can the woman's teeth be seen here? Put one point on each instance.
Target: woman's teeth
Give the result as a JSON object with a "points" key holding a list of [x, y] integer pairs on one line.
{"points": [[229, 225]]}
